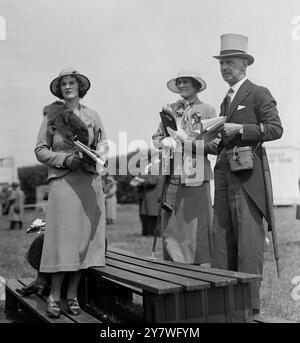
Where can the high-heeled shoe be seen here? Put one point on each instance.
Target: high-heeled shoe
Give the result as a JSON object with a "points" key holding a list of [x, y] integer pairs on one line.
{"points": [[53, 308], [73, 307]]}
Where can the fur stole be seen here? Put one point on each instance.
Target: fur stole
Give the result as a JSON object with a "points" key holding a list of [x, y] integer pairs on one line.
{"points": [[66, 122]]}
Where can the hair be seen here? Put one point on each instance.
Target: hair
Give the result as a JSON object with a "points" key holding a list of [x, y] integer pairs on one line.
{"points": [[197, 85], [81, 88]]}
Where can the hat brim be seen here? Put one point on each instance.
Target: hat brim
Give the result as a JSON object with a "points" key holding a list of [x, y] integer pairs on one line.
{"points": [[54, 85], [171, 84], [237, 55]]}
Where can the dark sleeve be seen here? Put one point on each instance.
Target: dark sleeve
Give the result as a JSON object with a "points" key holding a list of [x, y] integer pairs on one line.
{"points": [[267, 114], [211, 146]]}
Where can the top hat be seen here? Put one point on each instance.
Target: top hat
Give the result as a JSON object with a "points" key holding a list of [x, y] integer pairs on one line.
{"points": [[234, 45], [171, 84], [54, 86]]}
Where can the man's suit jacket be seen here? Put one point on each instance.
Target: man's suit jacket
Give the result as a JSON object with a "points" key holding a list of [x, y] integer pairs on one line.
{"points": [[253, 105]]}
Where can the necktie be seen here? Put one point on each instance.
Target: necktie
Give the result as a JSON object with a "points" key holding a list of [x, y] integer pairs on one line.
{"points": [[228, 99]]}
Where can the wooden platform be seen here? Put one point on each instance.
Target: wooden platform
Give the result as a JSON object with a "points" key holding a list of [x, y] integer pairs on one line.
{"points": [[168, 292], [34, 307], [134, 288]]}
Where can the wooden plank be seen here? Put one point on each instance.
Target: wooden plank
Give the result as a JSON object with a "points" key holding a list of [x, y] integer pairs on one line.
{"points": [[188, 284], [239, 303], [34, 303], [195, 306], [229, 297], [259, 318], [141, 281], [175, 308], [154, 308], [216, 281], [241, 277], [167, 308], [83, 317], [215, 306], [132, 288], [247, 302]]}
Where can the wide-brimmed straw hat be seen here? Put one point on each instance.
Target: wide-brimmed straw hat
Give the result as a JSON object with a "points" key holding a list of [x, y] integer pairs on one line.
{"points": [[54, 85], [234, 45], [171, 84]]}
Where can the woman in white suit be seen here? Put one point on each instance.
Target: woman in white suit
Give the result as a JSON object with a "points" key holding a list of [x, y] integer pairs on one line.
{"points": [[186, 225]]}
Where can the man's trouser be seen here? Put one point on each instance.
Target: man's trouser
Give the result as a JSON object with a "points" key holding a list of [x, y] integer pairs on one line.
{"points": [[238, 234]]}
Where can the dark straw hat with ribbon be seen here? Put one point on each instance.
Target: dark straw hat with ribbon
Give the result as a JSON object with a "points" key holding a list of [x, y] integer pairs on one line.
{"points": [[54, 85]]}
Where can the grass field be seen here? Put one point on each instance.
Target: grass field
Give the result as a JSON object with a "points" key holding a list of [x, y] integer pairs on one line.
{"points": [[276, 299]]}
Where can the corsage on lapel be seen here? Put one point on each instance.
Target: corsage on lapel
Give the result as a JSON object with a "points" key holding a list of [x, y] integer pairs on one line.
{"points": [[179, 108], [66, 122]]}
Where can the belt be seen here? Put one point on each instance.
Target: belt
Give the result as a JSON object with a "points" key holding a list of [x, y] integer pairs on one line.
{"points": [[241, 148]]}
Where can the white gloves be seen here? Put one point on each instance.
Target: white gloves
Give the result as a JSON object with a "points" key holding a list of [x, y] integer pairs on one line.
{"points": [[102, 151], [177, 135], [168, 143]]}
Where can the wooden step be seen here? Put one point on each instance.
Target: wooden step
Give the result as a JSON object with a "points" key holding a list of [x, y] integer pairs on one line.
{"points": [[33, 303], [36, 305], [83, 317]]}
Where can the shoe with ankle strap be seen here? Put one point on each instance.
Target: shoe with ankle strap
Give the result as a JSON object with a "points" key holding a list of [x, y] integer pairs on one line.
{"points": [[53, 308], [73, 307]]}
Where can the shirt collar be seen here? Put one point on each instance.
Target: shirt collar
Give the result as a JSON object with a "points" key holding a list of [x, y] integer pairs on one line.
{"points": [[237, 85]]}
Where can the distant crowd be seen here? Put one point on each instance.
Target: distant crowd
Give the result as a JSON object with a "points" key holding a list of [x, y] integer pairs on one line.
{"points": [[12, 204]]}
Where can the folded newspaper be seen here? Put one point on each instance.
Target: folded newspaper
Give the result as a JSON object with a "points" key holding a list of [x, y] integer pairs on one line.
{"points": [[91, 153], [212, 124]]}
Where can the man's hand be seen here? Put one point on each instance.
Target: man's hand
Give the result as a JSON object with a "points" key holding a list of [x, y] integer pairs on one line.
{"points": [[231, 129]]}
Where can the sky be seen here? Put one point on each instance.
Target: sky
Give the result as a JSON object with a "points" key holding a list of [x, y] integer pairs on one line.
{"points": [[129, 49]]}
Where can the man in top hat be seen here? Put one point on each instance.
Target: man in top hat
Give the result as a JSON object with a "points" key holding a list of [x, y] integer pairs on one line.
{"points": [[240, 196]]}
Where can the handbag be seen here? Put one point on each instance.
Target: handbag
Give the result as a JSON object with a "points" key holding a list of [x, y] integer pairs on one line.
{"points": [[168, 121], [240, 158]]}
